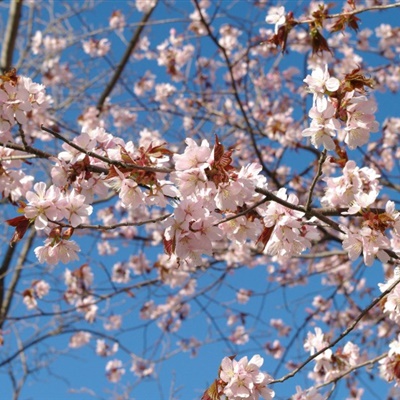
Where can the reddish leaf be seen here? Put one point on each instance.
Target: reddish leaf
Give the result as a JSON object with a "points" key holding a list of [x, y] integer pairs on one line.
{"points": [[265, 235], [318, 42], [21, 224], [16, 221], [169, 246], [212, 392], [346, 20], [356, 80], [218, 149]]}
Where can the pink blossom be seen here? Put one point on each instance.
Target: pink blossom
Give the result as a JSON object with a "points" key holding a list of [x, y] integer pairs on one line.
{"points": [[142, 368], [120, 273], [75, 209], [104, 350], [145, 5], [194, 156], [239, 335], [43, 206], [318, 83], [113, 322], [276, 15], [243, 379], [96, 48], [55, 251], [41, 288], [114, 370], [117, 20], [308, 394], [243, 296], [323, 127], [360, 121], [29, 299], [79, 339]]}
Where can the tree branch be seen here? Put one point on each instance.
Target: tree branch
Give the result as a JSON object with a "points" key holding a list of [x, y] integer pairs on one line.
{"points": [[7, 51]]}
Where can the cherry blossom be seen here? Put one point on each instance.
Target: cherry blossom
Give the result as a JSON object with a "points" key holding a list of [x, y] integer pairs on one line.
{"points": [[243, 379], [114, 370], [96, 48], [179, 178], [276, 15], [79, 339]]}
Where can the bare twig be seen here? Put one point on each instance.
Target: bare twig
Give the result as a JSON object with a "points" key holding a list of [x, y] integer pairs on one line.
{"points": [[128, 52], [7, 50], [362, 314]]}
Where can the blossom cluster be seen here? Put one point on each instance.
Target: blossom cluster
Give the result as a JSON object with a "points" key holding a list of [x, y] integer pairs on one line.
{"points": [[339, 110], [197, 200], [23, 103], [241, 380], [389, 365], [329, 365]]}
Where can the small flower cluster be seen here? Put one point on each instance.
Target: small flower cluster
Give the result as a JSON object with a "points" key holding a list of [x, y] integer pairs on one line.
{"points": [[96, 48], [37, 290], [290, 236], [329, 365], [339, 110], [371, 239], [241, 380], [209, 186], [52, 205], [389, 367], [356, 185], [78, 291], [391, 303], [19, 96]]}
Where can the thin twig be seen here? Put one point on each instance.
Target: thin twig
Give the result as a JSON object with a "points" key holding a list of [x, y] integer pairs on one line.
{"points": [[128, 52], [321, 161], [105, 159], [7, 50], [362, 314]]}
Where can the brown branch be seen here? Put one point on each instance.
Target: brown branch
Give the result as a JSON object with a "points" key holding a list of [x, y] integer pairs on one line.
{"points": [[120, 225], [315, 180], [354, 12], [124, 61], [14, 17], [362, 314], [7, 300], [308, 213], [271, 174], [105, 159]]}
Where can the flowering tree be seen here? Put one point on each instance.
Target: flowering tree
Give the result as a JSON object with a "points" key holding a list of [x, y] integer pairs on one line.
{"points": [[179, 176]]}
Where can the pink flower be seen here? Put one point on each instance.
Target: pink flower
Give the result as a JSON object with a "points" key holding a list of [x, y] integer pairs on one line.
{"points": [[29, 299], [276, 15], [239, 335], [117, 20], [55, 251], [318, 83], [323, 127], [41, 288], [243, 379], [104, 350], [96, 48], [43, 205], [75, 209], [360, 121], [145, 5], [114, 322], [142, 368], [194, 156], [79, 339], [114, 370]]}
